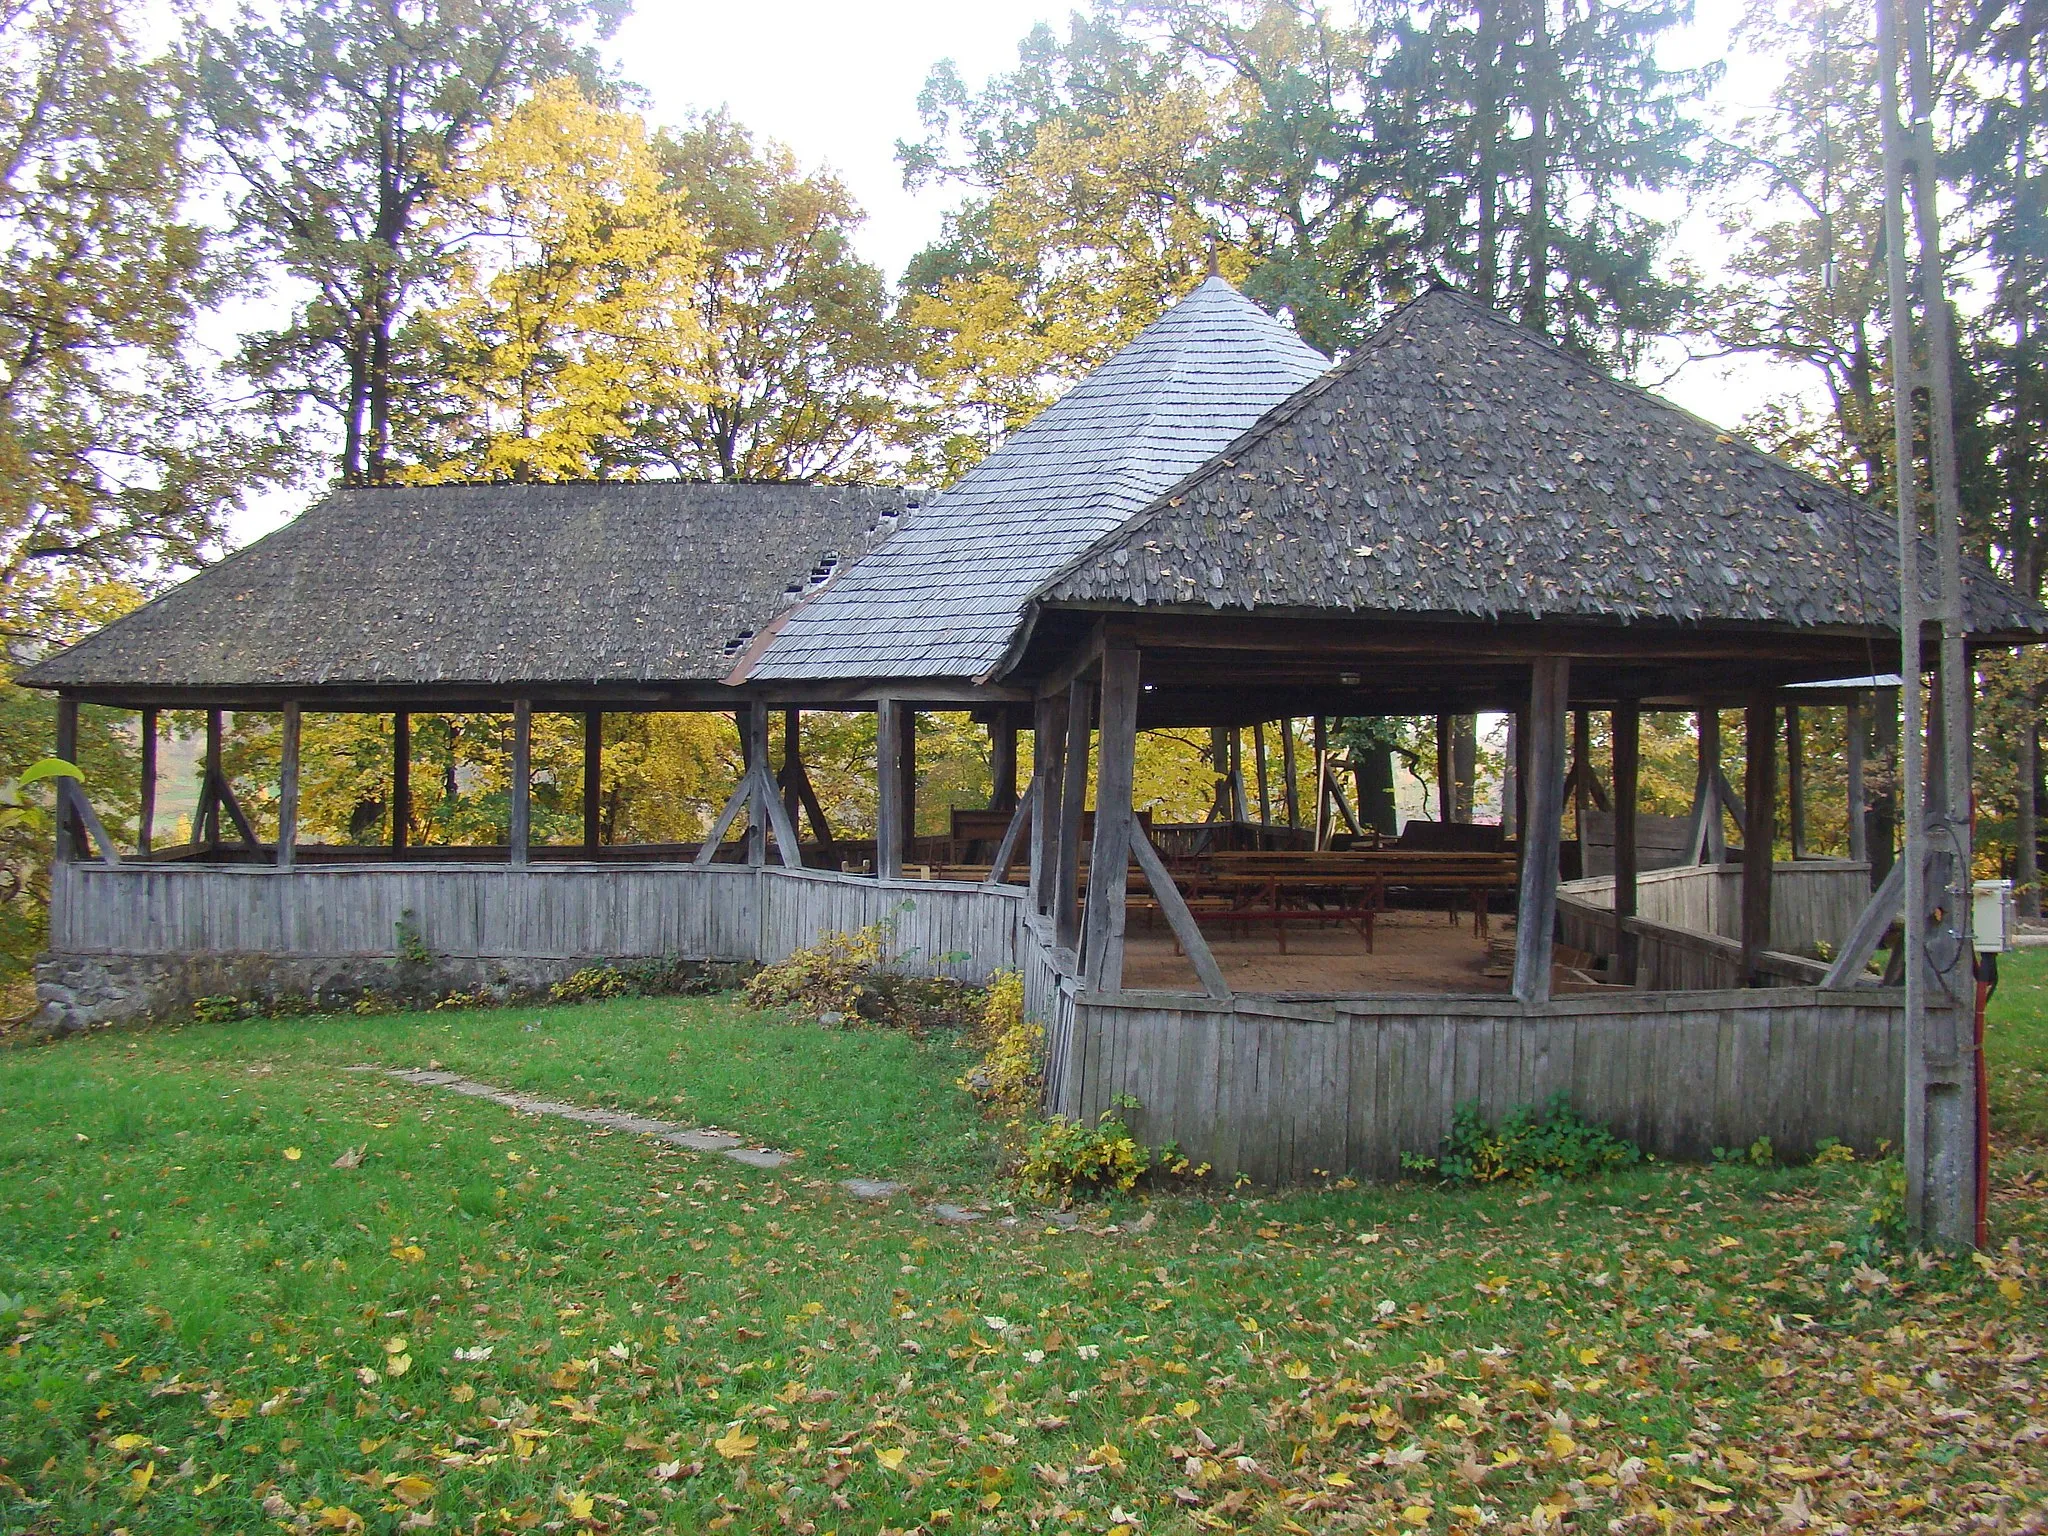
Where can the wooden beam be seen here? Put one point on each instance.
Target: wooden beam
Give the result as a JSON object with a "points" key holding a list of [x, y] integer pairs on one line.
{"points": [[1185, 929], [752, 719], [1002, 760], [1760, 789], [1115, 773], [1446, 787], [1020, 820], [1853, 729], [1219, 766], [67, 749], [145, 824], [1240, 810], [1543, 802], [1706, 843], [1287, 771], [1581, 773], [1073, 805], [593, 778], [224, 799], [288, 789], [401, 779], [215, 783], [1319, 741], [1048, 766], [1627, 746], [742, 793], [519, 832], [1869, 929], [1259, 766], [890, 833], [1795, 781], [906, 724], [769, 810]]}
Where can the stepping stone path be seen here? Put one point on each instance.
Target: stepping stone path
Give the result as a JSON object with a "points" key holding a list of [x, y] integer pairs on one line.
{"points": [[725, 1143]]}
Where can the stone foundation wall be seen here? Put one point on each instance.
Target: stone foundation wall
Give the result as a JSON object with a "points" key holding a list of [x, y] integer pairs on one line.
{"points": [[79, 991]]}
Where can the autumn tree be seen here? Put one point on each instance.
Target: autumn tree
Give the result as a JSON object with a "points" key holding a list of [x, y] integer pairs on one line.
{"points": [[802, 371], [568, 302], [336, 121]]}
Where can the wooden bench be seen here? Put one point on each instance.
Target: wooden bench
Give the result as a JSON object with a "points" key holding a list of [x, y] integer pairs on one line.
{"points": [[1477, 875]]}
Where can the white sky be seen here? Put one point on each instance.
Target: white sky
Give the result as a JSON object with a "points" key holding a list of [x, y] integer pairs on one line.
{"points": [[837, 81]]}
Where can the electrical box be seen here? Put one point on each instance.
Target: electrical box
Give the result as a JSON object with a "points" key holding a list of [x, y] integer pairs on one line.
{"points": [[1991, 916]]}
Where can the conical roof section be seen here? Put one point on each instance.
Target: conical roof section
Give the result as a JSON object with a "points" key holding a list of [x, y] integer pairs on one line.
{"points": [[945, 597], [1460, 466]]}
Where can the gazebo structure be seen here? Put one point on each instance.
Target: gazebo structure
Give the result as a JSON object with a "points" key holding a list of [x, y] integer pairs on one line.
{"points": [[1213, 530]]}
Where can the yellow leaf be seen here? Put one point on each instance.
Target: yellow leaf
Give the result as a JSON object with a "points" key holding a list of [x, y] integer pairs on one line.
{"points": [[335, 1517], [791, 1392], [734, 1444], [368, 1446], [138, 1478], [1559, 1444], [1296, 1371], [991, 1502], [891, 1459], [395, 1346], [397, 1365], [292, 1154], [210, 1484], [1774, 1369], [1417, 1514], [1107, 1455], [1338, 1479], [410, 1490], [580, 1505], [461, 1392], [125, 1443], [2010, 1289], [1589, 1357], [1188, 1409]]}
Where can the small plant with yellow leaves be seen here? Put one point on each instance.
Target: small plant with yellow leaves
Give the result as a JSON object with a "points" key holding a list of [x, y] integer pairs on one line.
{"points": [[1011, 1070]]}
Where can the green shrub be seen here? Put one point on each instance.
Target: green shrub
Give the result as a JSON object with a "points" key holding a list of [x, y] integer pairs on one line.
{"points": [[217, 1010], [1065, 1157], [594, 983], [1551, 1141], [834, 980], [1888, 1201], [1008, 1077]]}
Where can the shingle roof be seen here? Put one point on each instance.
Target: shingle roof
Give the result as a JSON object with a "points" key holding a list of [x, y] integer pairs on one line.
{"points": [[946, 596], [586, 583], [1460, 465]]}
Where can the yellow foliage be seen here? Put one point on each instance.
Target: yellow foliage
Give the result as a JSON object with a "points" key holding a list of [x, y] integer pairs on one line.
{"points": [[1008, 1077]]}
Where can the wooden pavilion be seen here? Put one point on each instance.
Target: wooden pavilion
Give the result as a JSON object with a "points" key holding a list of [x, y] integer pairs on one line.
{"points": [[1214, 530]]}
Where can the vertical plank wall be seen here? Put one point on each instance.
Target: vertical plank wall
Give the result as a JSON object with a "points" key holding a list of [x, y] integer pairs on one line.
{"points": [[1283, 1093]]}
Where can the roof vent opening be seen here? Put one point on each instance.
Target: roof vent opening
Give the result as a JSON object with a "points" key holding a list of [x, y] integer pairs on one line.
{"points": [[738, 642]]}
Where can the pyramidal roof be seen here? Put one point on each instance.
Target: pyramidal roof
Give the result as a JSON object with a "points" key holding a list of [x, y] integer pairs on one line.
{"points": [[945, 597], [1459, 465]]}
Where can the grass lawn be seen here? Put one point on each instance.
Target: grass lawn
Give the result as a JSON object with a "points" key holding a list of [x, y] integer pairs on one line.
{"points": [[498, 1322]]}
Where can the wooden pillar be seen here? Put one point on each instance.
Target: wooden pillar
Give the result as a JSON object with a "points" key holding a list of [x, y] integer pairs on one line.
{"points": [[67, 749], [1219, 766], [1109, 861], [593, 779], [1759, 815], [1852, 734], [1446, 782], [889, 796], [1884, 806], [401, 778], [1259, 768], [1002, 761], [1795, 780], [1582, 776], [208, 829], [906, 726], [1073, 806], [1706, 843], [1287, 771], [1048, 765], [288, 789], [1240, 810], [1514, 794], [753, 723], [1627, 744], [145, 824], [1319, 742], [1543, 810], [520, 832]]}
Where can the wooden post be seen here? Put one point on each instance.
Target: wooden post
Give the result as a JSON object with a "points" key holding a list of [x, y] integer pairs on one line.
{"points": [[1287, 770], [1240, 807], [1319, 742], [1115, 767], [1048, 765], [1073, 806], [1543, 810], [1514, 795], [67, 749], [752, 720], [593, 779], [288, 789], [1446, 786], [209, 799], [1259, 767], [1219, 765], [520, 832], [906, 724], [1760, 795], [1795, 780], [401, 779], [889, 797], [1852, 733], [1627, 743], [1582, 775], [145, 825], [1002, 761], [1706, 843]]}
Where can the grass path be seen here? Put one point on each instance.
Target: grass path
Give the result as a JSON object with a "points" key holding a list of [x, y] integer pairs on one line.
{"points": [[503, 1323]]}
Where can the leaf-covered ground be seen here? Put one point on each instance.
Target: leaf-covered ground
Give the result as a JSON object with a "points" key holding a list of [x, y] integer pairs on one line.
{"points": [[248, 1290]]}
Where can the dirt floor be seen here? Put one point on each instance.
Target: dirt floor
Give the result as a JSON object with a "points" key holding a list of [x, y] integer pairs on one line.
{"points": [[1412, 952]]}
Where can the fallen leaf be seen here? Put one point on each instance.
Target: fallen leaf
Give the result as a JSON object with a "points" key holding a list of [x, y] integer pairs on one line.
{"points": [[351, 1157], [292, 1154], [734, 1444]]}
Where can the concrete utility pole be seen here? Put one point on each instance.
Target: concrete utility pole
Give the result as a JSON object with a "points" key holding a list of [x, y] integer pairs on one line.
{"points": [[1941, 1145]]}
